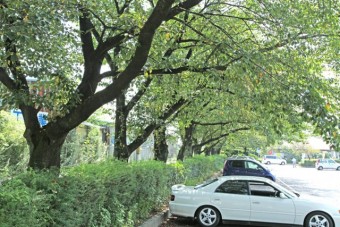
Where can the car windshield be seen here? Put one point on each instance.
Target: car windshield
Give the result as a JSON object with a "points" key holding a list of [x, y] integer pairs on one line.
{"points": [[264, 167], [206, 183], [286, 189]]}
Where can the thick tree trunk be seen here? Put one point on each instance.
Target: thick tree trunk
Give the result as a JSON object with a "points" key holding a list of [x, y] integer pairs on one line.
{"points": [[120, 146], [186, 148], [160, 145], [44, 150]]}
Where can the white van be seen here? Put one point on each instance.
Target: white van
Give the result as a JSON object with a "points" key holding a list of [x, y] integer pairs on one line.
{"points": [[273, 159]]}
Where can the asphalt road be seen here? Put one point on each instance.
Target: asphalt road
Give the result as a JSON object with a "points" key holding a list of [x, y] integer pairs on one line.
{"points": [[306, 181], [309, 181]]}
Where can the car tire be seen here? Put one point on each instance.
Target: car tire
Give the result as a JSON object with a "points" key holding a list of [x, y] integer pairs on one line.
{"points": [[208, 216], [268, 163], [338, 168], [318, 219], [282, 163], [320, 168]]}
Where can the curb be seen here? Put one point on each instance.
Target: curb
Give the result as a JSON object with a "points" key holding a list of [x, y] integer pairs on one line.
{"points": [[156, 220]]}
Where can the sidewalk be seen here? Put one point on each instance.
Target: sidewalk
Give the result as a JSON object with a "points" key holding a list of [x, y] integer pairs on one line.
{"points": [[156, 220]]}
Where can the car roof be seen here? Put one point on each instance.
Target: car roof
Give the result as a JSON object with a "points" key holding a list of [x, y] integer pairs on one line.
{"points": [[242, 177], [241, 158]]}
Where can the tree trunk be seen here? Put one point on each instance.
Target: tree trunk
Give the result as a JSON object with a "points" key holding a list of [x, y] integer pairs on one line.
{"points": [[160, 145], [120, 146], [44, 150], [141, 138], [186, 147]]}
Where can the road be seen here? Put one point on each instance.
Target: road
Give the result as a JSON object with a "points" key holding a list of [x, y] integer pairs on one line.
{"points": [[306, 181], [325, 183]]}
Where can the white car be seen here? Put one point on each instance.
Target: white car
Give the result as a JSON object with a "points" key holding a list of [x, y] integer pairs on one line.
{"points": [[273, 159], [250, 200], [321, 164]]}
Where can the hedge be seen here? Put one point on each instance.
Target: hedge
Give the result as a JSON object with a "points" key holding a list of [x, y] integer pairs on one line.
{"points": [[110, 193]]}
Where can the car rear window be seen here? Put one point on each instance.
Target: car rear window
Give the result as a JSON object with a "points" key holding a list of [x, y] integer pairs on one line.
{"points": [[237, 163], [206, 183], [233, 187], [271, 157]]}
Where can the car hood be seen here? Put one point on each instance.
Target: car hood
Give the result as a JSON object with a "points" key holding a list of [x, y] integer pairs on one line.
{"points": [[318, 199]]}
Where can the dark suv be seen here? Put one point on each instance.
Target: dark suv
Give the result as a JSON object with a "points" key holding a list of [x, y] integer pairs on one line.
{"points": [[244, 165]]}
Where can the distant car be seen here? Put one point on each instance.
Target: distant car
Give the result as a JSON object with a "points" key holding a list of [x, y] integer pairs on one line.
{"points": [[273, 159], [321, 164], [250, 200], [244, 165]]}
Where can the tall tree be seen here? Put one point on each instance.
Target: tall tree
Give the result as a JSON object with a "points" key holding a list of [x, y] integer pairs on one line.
{"points": [[160, 145], [263, 46], [34, 19]]}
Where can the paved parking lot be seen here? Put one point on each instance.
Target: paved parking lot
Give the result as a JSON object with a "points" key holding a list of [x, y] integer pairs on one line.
{"points": [[306, 181], [321, 183]]}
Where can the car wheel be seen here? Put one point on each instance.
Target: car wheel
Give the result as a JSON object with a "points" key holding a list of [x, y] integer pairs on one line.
{"points": [[268, 163], [320, 168], [208, 216], [319, 219], [338, 168], [283, 163]]}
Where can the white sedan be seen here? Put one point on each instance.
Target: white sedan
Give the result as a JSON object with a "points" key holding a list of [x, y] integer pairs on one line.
{"points": [[251, 201]]}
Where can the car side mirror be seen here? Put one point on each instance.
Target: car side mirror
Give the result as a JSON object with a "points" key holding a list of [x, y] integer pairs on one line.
{"points": [[282, 195]]}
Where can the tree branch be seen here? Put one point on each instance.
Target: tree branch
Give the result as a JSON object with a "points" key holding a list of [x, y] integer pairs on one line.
{"points": [[6, 80], [138, 95], [95, 101], [181, 7], [85, 36], [220, 136], [150, 128], [212, 123]]}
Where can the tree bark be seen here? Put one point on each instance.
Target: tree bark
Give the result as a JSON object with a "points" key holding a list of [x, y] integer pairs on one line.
{"points": [[120, 146], [160, 145], [44, 150], [186, 147]]}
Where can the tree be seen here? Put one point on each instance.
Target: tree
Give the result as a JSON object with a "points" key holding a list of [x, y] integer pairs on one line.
{"points": [[265, 47], [45, 143]]}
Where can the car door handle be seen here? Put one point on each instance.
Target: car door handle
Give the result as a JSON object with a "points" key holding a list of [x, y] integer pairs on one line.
{"points": [[256, 202]]}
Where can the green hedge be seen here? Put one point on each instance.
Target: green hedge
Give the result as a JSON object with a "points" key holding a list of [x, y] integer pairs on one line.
{"points": [[110, 193], [308, 163]]}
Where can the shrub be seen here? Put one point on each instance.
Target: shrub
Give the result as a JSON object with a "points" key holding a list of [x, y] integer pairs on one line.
{"points": [[308, 163], [83, 148], [13, 147], [110, 193]]}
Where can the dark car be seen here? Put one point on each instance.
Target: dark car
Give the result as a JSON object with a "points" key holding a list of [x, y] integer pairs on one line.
{"points": [[246, 166]]}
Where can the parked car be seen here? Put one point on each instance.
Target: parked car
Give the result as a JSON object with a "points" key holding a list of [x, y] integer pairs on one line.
{"points": [[321, 164], [250, 200], [273, 159], [244, 165]]}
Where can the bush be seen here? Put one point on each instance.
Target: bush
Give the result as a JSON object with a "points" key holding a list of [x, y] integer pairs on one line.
{"points": [[13, 147], [201, 167], [308, 163], [110, 193], [83, 148]]}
